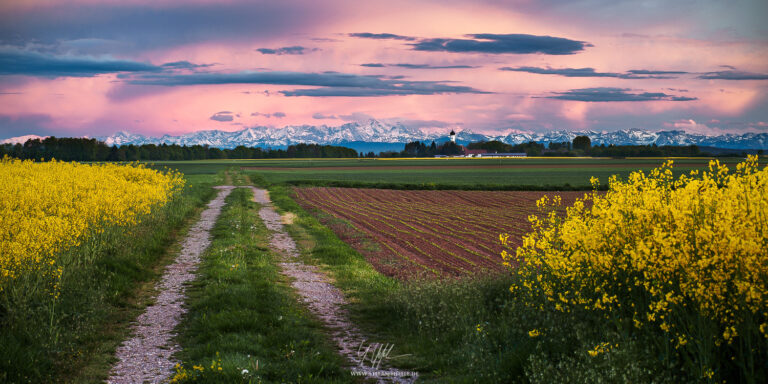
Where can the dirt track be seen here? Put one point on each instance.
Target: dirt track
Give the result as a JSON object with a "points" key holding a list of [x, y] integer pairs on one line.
{"points": [[148, 355], [324, 300]]}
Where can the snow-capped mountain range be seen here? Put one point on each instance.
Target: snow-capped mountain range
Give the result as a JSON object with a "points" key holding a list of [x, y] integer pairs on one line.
{"points": [[383, 136], [21, 139]]}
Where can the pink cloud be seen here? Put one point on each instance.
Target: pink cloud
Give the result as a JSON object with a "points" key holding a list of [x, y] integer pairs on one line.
{"points": [[105, 103]]}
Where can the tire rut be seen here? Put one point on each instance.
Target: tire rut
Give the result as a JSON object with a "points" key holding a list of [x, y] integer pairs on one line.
{"points": [[148, 355], [323, 299]]}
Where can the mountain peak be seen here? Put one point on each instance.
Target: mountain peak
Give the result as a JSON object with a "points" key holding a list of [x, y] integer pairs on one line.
{"points": [[22, 139], [376, 131]]}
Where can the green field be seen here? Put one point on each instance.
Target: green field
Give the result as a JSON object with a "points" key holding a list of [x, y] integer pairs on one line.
{"points": [[439, 173], [244, 315]]}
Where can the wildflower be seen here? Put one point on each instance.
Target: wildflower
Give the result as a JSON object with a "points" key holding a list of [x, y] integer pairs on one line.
{"points": [[534, 333]]}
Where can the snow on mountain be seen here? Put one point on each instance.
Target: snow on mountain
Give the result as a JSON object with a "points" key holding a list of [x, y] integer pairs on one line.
{"points": [[374, 131], [21, 139], [125, 138]]}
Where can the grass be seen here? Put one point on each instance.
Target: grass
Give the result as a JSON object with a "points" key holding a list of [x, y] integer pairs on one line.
{"points": [[473, 329], [529, 174], [105, 284], [243, 315], [434, 321]]}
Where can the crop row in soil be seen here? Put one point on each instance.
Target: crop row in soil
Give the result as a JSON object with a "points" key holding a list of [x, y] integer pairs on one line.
{"points": [[416, 233]]}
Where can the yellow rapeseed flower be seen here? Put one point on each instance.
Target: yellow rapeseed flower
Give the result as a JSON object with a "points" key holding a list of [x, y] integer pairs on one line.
{"points": [[655, 244], [46, 208]]}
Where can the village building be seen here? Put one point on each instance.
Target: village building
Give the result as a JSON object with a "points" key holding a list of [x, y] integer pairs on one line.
{"points": [[466, 152]]}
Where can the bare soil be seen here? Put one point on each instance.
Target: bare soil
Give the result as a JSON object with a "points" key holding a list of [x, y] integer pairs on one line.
{"points": [[450, 233]]}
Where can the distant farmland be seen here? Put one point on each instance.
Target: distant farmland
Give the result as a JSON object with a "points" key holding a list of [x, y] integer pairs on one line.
{"points": [[522, 173], [424, 173], [426, 232]]}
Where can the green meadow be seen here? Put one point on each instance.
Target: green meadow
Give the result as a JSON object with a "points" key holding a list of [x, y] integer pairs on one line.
{"points": [[431, 173]]}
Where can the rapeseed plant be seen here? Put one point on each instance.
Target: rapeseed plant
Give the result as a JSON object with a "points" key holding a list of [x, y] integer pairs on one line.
{"points": [[678, 256], [46, 208]]}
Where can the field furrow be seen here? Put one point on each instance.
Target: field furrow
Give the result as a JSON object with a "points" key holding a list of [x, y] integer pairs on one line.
{"points": [[446, 232]]}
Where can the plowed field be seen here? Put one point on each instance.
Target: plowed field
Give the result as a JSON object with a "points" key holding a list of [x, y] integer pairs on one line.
{"points": [[427, 232]]}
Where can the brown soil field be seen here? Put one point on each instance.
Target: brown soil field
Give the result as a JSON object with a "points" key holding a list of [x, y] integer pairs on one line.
{"points": [[426, 233]]}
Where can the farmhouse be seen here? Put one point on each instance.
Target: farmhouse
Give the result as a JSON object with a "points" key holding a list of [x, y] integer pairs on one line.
{"points": [[474, 152], [511, 154]]}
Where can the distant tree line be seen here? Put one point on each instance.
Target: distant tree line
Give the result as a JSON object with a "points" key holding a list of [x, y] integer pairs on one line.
{"points": [[421, 149], [530, 148], [80, 149], [580, 146]]}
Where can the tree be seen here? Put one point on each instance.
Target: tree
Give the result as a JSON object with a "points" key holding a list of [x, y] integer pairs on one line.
{"points": [[582, 142], [494, 146], [450, 148]]}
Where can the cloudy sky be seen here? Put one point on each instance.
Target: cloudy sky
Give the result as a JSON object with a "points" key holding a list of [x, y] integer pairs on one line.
{"points": [[158, 67]]}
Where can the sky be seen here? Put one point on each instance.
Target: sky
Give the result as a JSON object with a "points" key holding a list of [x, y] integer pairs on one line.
{"points": [[154, 67]]}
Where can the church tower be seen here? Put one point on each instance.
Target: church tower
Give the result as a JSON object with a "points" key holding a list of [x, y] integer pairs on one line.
{"points": [[453, 136]]}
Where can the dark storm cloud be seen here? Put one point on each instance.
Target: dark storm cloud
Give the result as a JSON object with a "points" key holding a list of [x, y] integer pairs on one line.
{"points": [[223, 116], [734, 75], [278, 115], [20, 62], [331, 83], [185, 65], [31, 124], [139, 27], [650, 72], [294, 50], [498, 44], [325, 40], [416, 66], [429, 66], [606, 94], [381, 36], [421, 89], [591, 72], [29, 63]]}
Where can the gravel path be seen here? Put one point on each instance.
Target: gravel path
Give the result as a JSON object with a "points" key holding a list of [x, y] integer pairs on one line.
{"points": [[324, 300], [147, 356]]}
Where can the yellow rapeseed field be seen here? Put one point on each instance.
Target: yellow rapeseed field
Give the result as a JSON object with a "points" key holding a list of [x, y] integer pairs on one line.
{"points": [[654, 249], [46, 208]]}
